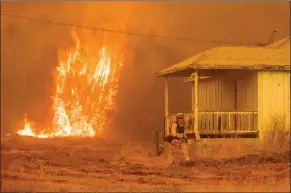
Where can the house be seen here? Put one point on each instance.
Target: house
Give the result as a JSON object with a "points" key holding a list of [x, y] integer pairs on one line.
{"points": [[235, 90]]}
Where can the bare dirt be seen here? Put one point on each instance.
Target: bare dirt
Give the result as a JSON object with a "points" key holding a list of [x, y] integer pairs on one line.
{"points": [[64, 165]]}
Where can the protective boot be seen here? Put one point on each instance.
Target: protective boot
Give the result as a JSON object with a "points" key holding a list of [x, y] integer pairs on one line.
{"points": [[172, 150], [184, 150]]}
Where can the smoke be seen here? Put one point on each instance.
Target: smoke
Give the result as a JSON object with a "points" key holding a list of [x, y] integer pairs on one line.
{"points": [[29, 50], [240, 22], [29, 53]]}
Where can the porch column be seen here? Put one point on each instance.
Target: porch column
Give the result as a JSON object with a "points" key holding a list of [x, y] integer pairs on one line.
{"points": [[166, 106], [195, 104]]}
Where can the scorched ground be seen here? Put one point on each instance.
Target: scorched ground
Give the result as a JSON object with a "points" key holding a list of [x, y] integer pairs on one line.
{"points": [[76, 164]]}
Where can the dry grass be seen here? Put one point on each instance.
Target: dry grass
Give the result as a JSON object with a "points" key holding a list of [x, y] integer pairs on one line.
{"points": [[273, 139], [30, 187], [225, 165], [276, 137], [18, 187], [222, 148]]}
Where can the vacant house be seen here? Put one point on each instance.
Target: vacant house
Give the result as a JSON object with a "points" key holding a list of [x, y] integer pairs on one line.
{"points": [[236, 90]]}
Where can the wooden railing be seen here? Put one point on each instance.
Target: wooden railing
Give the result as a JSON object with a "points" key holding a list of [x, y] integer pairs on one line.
{"points": [[219, 121]]}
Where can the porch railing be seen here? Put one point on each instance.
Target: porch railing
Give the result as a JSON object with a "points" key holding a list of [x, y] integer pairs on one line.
{"points": [[220, 121]]}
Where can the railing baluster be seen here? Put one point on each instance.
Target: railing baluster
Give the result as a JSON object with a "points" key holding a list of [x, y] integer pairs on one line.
{"points": [[242, 127], [254, 122], [249, 122], [201, 118], [229, 121], [246, 121], [222, 121], [202, 122], [217, 121], [210, 121], [225, 121], [213, 121], [240, 122], [237, 122], [206, 122]]}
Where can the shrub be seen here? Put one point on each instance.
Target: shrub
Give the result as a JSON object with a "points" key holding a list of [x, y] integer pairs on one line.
{"points": [[276, 136]]}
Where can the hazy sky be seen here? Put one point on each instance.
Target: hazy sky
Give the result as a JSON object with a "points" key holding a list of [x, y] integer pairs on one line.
{"points": [[29, 49]]}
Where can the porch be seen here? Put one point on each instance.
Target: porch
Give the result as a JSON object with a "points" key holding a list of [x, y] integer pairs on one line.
{"points": [[224, 104]]}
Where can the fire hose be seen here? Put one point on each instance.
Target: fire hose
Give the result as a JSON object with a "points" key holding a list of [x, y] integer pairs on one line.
{"points": [[170, 138]]}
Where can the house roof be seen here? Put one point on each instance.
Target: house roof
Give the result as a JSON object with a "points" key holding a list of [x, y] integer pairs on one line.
{"points": [[273, 56]]}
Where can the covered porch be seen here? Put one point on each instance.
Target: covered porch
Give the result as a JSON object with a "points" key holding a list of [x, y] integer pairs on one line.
{"points": [[224, 104]]}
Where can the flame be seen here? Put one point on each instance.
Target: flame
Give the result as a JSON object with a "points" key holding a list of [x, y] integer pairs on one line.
{"points": [[86, 87]]}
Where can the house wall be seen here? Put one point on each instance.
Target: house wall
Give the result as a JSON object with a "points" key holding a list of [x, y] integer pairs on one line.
{"points": [[233, 90], [216, 95], [273, 99], [247, 100], [247, 91]]}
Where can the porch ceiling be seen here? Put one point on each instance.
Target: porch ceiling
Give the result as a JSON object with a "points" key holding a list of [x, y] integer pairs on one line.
{"points": [[272, 57]]}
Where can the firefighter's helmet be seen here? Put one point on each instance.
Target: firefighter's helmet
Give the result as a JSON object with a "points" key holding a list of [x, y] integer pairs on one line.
{"points": [[180, 116]]}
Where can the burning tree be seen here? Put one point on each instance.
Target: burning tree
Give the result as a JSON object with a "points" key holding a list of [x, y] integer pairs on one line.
{"points": [[86, 86]]}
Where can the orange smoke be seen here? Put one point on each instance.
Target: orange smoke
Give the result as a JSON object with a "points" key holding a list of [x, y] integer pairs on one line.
{"points": [[86, 87]]}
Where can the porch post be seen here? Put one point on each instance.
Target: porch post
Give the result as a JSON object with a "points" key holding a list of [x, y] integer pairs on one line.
{"points": [[195, 104], [166, 106]]}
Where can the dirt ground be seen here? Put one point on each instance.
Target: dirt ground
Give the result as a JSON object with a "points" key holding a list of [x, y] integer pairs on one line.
{"points": [[64, 165]]}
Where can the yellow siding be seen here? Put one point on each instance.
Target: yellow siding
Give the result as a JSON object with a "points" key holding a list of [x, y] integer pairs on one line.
{"points": [[216, 95], [247, 98], [230, 91], [273, 98], [219, 94]]}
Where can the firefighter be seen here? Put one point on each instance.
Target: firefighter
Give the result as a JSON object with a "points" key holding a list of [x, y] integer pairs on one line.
{"points": [[178, 140]]}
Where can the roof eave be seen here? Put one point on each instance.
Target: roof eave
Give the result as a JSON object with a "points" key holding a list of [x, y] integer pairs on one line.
{"points": [[172, 71], [241, 67], [217, 67]]}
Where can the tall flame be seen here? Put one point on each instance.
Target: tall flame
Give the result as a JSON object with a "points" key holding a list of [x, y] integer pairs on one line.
{"points": [[86, 87]]}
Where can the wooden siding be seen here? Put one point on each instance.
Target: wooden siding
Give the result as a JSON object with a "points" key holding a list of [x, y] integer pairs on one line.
{"points": [[247, 92], [216, 95], [230, 91], [273, 98], [247, 99]]}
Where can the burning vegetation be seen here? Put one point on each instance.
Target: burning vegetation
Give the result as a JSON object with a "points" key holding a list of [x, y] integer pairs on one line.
{"points": [[86, 85]]}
